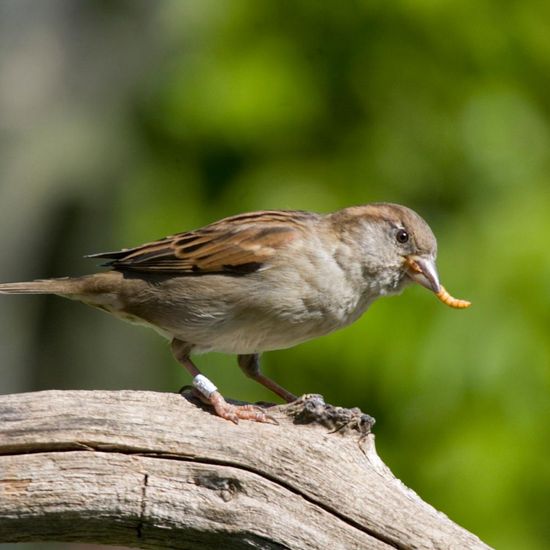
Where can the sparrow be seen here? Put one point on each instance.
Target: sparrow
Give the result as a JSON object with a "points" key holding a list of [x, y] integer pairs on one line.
{"points": [[259, 281]]}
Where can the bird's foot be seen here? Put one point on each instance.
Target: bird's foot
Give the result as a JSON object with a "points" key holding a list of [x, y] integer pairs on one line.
{"points": [[239, 412], [229, 411]]}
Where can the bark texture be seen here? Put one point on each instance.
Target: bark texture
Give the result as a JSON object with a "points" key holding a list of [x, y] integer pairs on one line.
{"points": [[155, 470]]}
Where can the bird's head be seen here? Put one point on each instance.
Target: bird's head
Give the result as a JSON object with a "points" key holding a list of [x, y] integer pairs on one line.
{"points": [[398, 247]]}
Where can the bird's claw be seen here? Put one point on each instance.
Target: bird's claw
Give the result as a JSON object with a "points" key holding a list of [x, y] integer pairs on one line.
{"points": [[234, 413]]}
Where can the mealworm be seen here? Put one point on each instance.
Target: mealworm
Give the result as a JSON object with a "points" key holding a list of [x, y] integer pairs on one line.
{"points": [[446, 298]]}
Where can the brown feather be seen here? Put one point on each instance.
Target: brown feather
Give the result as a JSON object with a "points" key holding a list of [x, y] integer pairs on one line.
{"points": [[237, 245]]}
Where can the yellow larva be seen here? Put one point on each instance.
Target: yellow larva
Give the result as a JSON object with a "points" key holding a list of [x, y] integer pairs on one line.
{"points": [[446, 298]]}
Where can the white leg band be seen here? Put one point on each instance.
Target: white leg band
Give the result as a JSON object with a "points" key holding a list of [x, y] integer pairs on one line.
{"points": [[201, 383]]}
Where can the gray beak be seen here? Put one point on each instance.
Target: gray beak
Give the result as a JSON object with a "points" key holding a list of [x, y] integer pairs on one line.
{"points": [[422, 270]]}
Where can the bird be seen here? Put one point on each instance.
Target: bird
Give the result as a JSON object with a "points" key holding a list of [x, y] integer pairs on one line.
{"points": [[257, 282]]}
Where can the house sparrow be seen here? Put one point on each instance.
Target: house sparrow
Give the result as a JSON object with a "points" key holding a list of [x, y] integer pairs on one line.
{"points": [[259, 281]]}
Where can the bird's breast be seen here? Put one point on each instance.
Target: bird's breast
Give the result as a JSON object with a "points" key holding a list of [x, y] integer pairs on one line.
{"points": [[306, 296]]}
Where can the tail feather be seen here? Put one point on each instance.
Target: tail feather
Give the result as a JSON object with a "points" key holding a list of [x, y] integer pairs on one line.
{"points": [[64, 286]]}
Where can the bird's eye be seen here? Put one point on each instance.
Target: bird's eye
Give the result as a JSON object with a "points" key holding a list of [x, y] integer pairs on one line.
{"points": [[402, 236]]}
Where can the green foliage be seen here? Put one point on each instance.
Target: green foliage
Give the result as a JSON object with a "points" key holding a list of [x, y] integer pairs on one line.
{"points": [[442, 106]]}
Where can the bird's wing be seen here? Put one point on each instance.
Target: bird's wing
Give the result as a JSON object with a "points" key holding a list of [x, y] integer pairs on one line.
{"points": [[237, 245]]}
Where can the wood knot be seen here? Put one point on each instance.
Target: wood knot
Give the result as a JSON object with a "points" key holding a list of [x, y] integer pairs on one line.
{"points": [[312, 409], [227, 488]]}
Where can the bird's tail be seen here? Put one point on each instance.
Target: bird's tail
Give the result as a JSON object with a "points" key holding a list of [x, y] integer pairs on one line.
{"points": [[65, 286]]}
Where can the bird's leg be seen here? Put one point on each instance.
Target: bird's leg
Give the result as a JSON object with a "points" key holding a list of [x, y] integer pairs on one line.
{"points": [[250, 364], [208, 392]]}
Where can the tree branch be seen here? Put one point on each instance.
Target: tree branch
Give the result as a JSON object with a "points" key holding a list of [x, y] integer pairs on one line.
{"points": [[155, 470]]}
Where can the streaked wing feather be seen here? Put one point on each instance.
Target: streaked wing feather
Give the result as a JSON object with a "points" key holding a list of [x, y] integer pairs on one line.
{"points": [[236, 245]]}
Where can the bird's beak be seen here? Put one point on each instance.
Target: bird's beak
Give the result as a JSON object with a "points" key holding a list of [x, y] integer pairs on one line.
{"points": [[422, 270]]}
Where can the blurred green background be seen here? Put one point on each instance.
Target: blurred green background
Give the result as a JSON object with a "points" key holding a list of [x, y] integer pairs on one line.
{"points": [[124, 121]]}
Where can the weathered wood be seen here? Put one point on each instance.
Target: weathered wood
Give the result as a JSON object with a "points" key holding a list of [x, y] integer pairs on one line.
{"points": [[153, 470]]}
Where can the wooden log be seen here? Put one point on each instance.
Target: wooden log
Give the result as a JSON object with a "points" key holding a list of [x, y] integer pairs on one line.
{"points": [[156, 470]]}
